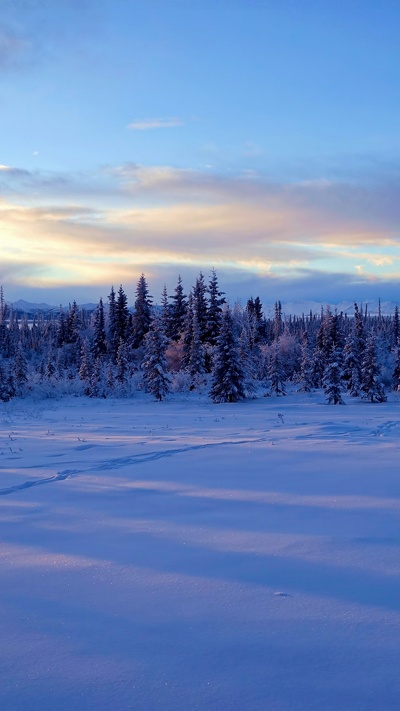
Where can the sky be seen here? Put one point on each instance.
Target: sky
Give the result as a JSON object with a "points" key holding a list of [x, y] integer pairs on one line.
{"points": [[257, 137]]}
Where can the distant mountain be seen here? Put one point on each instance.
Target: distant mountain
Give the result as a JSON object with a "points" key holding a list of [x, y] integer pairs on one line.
{"points": [[26, 307]]}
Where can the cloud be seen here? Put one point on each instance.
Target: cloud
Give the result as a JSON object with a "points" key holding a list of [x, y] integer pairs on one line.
{"points": [[13, 49], [149, 124], [109, 225]]}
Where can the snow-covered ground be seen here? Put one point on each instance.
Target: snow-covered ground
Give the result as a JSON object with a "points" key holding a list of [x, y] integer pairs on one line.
{"points": [[183, 555]]}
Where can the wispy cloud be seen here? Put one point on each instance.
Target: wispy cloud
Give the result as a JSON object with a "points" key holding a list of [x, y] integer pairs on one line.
{"points": [[149, 124], [13, 47], [121, 220]]}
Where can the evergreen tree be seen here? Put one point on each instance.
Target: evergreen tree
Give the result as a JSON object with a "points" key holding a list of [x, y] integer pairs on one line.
{"points": [[352, 365], [396, 328], [228, 378], [86, 365], [255, 316], [96, 386], [112, 341], [142, 314], [250, 359], [277, 329], [200, 305], [306, 368], [121, 316], [73, 324], [20, 370], [216, 301], [7, 384], [196, 365], [165, 311], [396, 371], [155, 376], [61, 329], [178, 312], [122, 371], [332, 379], [371, 384], [276, 373], [187, 336], [99, 345]]}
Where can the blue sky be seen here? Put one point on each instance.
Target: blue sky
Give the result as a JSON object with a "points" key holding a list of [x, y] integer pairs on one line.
{"points": [[260, 138]]}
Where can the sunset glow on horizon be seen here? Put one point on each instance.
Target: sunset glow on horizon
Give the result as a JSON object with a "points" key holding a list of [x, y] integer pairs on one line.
{"points": [[171, 137]]}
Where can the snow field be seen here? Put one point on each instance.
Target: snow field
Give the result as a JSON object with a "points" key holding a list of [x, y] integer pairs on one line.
{"points": [[183, 555]]}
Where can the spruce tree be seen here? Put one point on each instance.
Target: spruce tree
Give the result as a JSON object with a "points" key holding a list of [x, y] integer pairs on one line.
{"points": [[112, 341], [332, 380], [7, 384], [86, 365], [177, 312], [200, 305], [155, 375], [371, 384], [196, 364], [122, 371], [276, 373], [99, 344], [187, 336], [165, 311], [20, 370], [96, 387], [142, 314], [215, 302], [305, 377], [352, 365], [396, 371], [121, 316], [228, 377]]}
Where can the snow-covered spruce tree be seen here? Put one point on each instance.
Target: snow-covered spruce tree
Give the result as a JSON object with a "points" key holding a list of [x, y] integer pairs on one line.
{"points": [[216, 300], [165, 310], [396, 371], [395, 339], [371, 384], [61, 337], [86, 365], [177, 312], [155, 376], [142, 314], [99, 343], [352, 365], [196, 365], [228, 376], [250, 364], [96, 385], [305, 375], [20, 370], [331, 344], [187, 335], [121, 316], [255, 316], [200, 305], [122, 371], [277, 328], [110, 379], [112, 341], [7, 384], [332, 379], [275, 370]]}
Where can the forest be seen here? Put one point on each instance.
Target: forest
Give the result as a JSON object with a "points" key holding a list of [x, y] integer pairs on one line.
{"points": [[197, 342]]}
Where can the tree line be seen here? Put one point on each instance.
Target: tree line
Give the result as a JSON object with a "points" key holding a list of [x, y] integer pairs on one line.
{"points": [[196, 341]]}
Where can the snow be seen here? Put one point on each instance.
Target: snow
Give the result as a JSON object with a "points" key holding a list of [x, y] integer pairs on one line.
{"points": [[183, 555]]}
